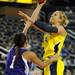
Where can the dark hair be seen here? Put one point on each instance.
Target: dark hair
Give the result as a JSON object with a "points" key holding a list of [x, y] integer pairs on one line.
{"points": [[19, 41]]}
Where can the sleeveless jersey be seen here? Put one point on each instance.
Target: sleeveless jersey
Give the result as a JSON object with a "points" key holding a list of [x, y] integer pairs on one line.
{"points": [[20, 68], [53, 44]]}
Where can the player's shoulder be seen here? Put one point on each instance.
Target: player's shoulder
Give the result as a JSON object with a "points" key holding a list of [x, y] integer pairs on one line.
{"points": [[61, 30], [29, 53]]}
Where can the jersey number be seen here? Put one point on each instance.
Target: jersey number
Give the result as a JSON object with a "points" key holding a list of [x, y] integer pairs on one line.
{"points": [[12, 64]]}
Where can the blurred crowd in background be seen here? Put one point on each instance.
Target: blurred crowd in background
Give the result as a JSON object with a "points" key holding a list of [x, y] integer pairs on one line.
{"points": [[11, 24]]}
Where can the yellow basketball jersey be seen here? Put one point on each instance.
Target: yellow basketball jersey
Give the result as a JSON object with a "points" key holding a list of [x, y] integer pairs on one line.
{"points": [[51, 41]]}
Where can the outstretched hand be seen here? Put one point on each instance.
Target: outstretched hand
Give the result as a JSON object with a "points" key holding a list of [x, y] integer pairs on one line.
{"points": [[24, 16], [55, 57]]}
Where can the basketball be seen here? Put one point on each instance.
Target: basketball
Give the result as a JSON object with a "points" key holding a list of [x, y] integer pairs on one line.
{"points": [[40, 1]]}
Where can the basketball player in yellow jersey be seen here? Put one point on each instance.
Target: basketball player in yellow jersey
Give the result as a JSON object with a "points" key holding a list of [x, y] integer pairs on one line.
{"points": [[54, 38], [53, 41], [53, 44]]}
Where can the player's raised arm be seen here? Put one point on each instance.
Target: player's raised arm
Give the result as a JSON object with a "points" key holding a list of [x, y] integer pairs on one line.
{"points": [[35, 13], [33, 17]]}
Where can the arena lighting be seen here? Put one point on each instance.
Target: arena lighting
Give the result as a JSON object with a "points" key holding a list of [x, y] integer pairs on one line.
{"points": [[18, 1], [24, 1], [7, 0]]}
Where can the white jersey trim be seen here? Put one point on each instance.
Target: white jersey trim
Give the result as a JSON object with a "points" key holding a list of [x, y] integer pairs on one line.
{"points": [[26, 66]]}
